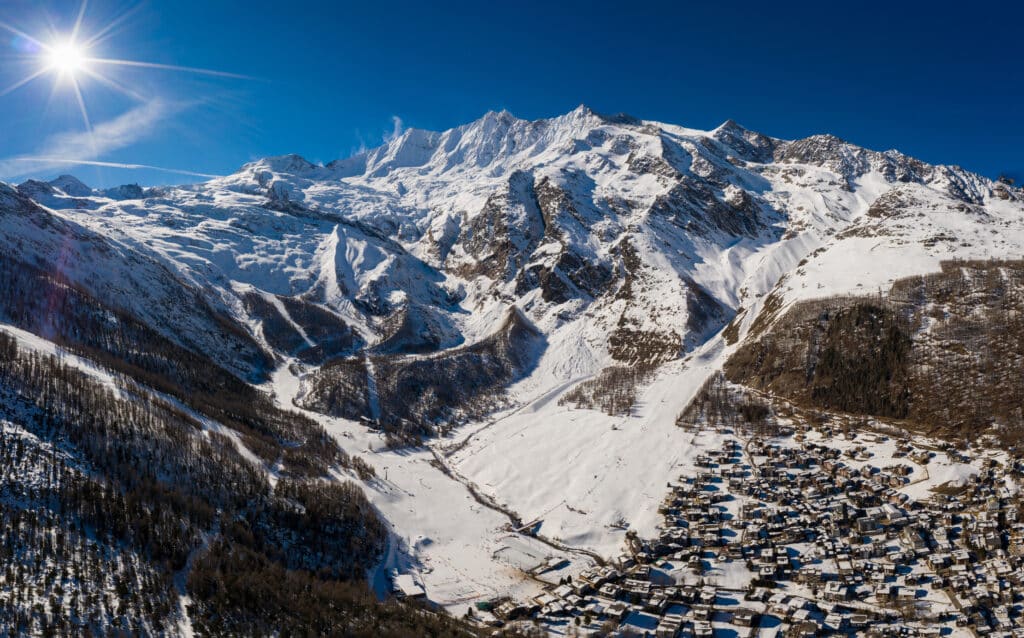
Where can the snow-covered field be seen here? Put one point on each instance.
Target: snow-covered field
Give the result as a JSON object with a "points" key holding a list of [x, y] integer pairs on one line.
{"points": [[460, 550], [583, 473], [583, 476]]}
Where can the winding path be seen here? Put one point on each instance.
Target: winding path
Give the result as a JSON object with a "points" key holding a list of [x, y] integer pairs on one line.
{"points": [[515, 520]]}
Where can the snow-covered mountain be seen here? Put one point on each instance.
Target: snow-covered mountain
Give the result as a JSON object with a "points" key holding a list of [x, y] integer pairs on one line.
{"points": [[482, 283], [622, 240]]}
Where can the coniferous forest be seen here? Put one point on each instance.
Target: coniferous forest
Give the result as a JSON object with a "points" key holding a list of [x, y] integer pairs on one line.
{"points": [[940, 351], [134, 491]]}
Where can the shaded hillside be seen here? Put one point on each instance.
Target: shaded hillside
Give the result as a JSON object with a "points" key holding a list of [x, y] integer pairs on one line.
{"points": [[46, 304], [105, 499], [943, 351], [296, 327], [52, 261], [420, 394]]}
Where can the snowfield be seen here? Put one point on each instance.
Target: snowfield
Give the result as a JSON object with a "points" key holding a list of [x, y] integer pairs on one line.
{"points": [[587, 476], [593, 227], [460, 550]]}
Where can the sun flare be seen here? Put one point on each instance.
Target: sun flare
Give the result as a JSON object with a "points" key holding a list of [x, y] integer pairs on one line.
{"points": [[66, 57], [73, 60]]}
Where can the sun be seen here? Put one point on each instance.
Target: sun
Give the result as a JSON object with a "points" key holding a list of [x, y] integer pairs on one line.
{"points": [[66, 58], [73, 60]]}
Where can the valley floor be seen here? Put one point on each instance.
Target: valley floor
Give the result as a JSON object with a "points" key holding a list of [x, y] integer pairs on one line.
{"points": [[507, 509], [454, 506], [457, 548]]}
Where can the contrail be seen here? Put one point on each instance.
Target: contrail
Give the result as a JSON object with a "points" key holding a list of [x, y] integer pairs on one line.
{"points": [[169, 67], [54, 160]]}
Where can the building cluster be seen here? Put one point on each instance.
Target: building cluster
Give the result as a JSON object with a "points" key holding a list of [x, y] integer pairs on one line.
{"points": [[810, 534]]}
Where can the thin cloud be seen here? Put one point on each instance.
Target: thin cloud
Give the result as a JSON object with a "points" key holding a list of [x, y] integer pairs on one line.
{"points": [[51, 161], [88, 146], [358, 150], [397, 127]]}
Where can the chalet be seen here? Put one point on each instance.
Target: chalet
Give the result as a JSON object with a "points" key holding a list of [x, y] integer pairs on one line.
{"points": [[669, 627], [744, 617], [836, 591], [405, 586]]}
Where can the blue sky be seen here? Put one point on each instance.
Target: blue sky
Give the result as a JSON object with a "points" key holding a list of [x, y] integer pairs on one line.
{"points": [[940, 82]]}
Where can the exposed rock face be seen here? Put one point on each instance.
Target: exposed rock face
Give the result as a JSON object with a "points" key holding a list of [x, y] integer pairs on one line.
{"points": [[747, 145], [417, 394], [626, 243], [501, 238]]}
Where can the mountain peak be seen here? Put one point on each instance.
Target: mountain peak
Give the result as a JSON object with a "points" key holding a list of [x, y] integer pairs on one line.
{"points": [[494, 122], [71, 185], [732, 126], [746, 144], [125, 191], [293, 163], [582, 110], [504, 115]]}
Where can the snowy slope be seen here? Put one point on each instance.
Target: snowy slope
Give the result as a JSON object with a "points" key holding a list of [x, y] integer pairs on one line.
{"points": [[623, 242], [456, 226], [124, 276]]}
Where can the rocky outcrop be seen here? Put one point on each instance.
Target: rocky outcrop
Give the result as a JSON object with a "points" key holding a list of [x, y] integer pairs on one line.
{"points": [[424, 395]]}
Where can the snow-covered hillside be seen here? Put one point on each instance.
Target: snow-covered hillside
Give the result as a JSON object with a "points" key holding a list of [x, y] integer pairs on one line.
{"points": [[517, 259], [435, 235]]}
